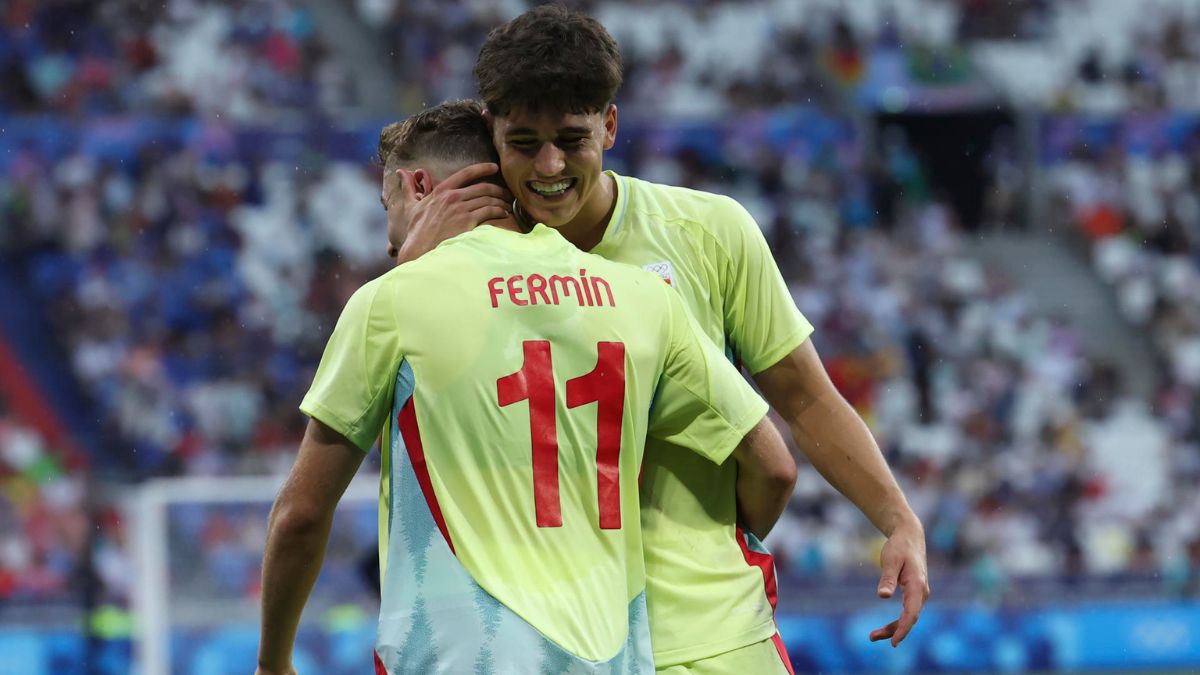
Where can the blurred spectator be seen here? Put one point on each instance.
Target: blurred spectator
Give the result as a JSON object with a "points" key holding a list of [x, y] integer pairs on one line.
{"points": [[689, 58], [43, 522], [248, 60]]}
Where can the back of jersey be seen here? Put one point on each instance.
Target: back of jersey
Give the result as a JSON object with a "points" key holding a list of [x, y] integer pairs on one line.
{"points": [[531, 420], [520, 375]]}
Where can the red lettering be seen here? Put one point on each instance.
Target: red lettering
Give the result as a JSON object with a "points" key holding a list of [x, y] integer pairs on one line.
{"points": [[495, 292], [587, 291], [557, 282], [537, 286], [596, 283], [514, 289]]}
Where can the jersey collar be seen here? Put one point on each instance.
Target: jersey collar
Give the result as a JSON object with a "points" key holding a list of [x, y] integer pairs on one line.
{"points": [[617, 221]]}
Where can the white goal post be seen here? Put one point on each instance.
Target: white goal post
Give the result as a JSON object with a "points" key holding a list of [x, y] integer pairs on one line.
{"points": [[148, 508]]}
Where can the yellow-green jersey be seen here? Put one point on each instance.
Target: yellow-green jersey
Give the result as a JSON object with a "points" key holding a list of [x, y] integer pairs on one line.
{"points": [[710, 587], [515, 380]]}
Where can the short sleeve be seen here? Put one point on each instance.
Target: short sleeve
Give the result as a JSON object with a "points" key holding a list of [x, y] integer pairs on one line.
{"points": [[351, 390], [762, 322], [702, 402]]}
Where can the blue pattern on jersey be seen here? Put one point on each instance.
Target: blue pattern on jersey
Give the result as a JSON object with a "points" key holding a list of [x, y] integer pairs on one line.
{"points": [[489, 612], [417, 533], [485, 663], [418, 651], [555, 659], [633, 646]]}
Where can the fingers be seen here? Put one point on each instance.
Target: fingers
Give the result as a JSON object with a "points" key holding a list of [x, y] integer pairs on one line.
{"points": [[468, 175], [903, 625], [485, 200], [484, 209], [887, 580], [483, 190], [489, 213], [915, 590], [884, 632], [898, 629]]}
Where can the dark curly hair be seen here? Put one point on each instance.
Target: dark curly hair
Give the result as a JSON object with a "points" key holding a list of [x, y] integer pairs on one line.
{"points": [[549, 58]]}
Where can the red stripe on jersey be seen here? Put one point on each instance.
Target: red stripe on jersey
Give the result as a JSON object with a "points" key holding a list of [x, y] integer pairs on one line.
{"points": [[416, 454], [765, 562], [779, 647], [379, 669]]}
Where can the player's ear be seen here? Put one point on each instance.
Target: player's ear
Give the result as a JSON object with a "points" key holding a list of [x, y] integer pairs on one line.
{"points": [[408, 186], [424, 183], [610, 126]]}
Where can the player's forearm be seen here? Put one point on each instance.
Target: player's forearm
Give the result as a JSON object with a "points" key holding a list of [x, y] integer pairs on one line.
{"points": [[761, 501], [291, 563], [840, 446], [766, 478]]}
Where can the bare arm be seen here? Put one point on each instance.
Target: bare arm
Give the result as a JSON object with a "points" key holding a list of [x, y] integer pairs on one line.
{"points": [[840, 446], [766, 477], [297, 535]]}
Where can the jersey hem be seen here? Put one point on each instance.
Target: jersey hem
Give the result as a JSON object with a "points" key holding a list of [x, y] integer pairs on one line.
{"points": [[675, 657]]}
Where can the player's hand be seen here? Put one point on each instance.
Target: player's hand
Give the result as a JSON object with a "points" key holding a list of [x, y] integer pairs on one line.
{"points": [[903, 563], [454, 206]]}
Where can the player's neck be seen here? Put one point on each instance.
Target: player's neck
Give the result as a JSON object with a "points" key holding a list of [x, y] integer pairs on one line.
{"points": [[587, 228], [508, 223]]}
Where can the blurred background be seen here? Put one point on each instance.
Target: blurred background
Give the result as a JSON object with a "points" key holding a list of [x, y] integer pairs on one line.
{"points": [[990, 211]]}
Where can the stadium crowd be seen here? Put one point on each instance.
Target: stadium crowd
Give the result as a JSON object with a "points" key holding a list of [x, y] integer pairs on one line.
{"points": [[241, 60], [1129, 198], [43, 525], [193, 288]]}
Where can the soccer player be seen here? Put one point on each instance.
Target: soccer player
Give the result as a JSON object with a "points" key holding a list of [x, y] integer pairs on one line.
{"points": [[548, 78], [515, 380]]}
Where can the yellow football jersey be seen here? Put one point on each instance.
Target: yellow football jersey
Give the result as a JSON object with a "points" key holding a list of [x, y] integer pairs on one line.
{"points": [[709, 588], [516, 380]]}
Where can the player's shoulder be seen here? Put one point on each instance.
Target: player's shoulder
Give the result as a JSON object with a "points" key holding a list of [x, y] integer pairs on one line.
{"points": [[364, 300], [624, 272], [383, 293], [718, 215], [438, 261]]}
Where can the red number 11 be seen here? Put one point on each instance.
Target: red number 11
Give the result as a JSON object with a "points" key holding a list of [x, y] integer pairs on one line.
{"points": [[605, 386]]}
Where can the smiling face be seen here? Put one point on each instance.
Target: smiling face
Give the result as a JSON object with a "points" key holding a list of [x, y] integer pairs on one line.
{"points": [[553, 164]]}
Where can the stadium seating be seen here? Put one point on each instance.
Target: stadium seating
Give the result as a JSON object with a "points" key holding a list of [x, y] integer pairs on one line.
{"points": [[192, 227]]}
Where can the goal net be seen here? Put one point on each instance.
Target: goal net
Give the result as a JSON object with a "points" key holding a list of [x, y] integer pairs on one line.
{"points": [[198, 544]]}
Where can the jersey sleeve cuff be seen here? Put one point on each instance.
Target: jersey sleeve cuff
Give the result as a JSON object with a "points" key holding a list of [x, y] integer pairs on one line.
{"points": [[722, 449], [784, 347], [332, 420]]}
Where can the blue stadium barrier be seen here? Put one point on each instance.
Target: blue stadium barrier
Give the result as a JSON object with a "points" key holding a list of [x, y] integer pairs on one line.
{"points": [[1088, 637], [804, 131]]}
